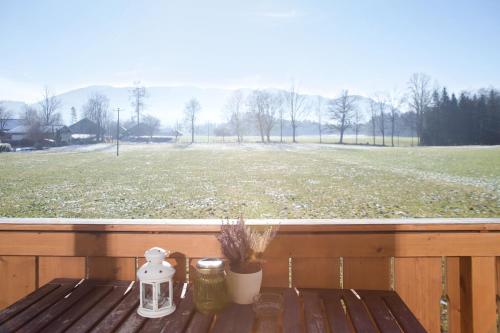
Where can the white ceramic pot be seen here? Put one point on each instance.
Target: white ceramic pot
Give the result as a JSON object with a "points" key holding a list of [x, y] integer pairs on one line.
{"points": [[243, 288]]}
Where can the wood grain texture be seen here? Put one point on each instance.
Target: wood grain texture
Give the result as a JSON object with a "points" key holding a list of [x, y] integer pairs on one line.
{"points": [[316, 272], [50, 268], [478, 294], [292, 313], [453, 293], [367, 273], [313, 317], [418, 282], [17, 278], [275, 272], [201, 245], [106, 268]]}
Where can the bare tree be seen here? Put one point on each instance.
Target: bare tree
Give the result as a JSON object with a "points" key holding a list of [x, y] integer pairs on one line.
{"points": [[373, 111], [96, 109], [420, 98], [281, 113], [49, 106], [74, 116], [138, 95], [29, 115], [234, 108], [381, 106], [264, 105], [223, 131], [356, 122], [295, 103], [4, 116], [394, 103], [177, 130], [341, 112], [319, 114], [31, 119], [152, 124], [191, 111]]}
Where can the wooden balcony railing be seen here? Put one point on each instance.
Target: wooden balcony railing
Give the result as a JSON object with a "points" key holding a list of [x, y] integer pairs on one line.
{"points": [[427, 261]]}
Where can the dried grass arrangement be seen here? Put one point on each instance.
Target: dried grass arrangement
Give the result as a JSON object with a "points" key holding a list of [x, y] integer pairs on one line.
{"points": [[244, 246]]}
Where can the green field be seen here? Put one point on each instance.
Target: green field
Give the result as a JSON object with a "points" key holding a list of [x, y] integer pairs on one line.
{"points": [[257, 180]]}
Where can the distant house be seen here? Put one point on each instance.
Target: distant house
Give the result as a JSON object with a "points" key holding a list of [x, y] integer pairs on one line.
{"points": [[84, 131], [6, 125], [58, 134], [139, 130]]}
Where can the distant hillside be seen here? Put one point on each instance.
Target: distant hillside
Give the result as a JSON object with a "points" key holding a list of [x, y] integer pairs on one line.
{"points": [[166, 103]]}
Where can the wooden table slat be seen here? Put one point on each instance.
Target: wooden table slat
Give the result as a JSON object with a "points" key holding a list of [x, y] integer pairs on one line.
{"points": [[25, 302], [235, 318], [62, 322], [63, 304], [114, 318], [380, 313], [337, 318], [313, 315], [133, 323], [200, 322], [99, 310], [25, 316], [404, 316], [360, 317], [183, 313], [291, 312]]}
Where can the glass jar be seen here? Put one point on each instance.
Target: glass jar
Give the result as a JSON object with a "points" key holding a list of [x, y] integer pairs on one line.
{"points": [[210, 291]]}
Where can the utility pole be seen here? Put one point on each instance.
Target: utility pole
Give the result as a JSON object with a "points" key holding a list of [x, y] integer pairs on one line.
{"points": [[118, 133]]}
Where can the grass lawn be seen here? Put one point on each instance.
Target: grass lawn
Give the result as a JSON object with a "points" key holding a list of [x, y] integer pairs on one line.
{"points": [[260, 181]]}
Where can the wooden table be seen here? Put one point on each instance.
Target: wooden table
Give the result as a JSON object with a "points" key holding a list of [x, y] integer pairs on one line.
{"points": [[105, 306]]}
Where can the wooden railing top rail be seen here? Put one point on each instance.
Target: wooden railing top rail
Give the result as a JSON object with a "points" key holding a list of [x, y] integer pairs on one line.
{"points": [[286, 225]]}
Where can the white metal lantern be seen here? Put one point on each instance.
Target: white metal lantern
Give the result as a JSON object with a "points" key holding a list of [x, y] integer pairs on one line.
{"points": [[156, 285]]}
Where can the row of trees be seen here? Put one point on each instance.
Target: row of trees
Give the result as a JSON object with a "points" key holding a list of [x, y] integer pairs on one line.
{"points": [[432, 115], [264, 110]]}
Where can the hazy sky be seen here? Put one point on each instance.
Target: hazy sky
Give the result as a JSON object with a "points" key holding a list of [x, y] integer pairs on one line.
{"points": [[364, 46]]}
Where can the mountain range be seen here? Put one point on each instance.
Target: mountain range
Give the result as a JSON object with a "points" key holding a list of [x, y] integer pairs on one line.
{"points": [[165, 103]]}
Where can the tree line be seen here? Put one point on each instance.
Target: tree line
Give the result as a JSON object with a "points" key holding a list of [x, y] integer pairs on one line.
{"points": [[433, 116]]}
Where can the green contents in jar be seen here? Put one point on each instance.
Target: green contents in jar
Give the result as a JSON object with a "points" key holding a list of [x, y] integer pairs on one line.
{"points": [[210, 291]]}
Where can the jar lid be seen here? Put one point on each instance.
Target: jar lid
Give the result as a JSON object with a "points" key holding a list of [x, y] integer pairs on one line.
{"points": [[210, 265]]}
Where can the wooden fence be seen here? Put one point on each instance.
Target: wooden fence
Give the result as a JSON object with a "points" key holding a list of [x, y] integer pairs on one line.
{"points": [[427, 261]]}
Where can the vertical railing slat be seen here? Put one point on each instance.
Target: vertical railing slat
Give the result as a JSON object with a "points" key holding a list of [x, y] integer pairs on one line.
{"points": [[367, 273], [275, 272], [478, 294], [316, 272], [17, 278], [418, 282], [453, 292]]}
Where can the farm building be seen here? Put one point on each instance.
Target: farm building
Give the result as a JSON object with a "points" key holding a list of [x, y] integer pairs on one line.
{"points": [[58, 134], [84, 131], [6, 125]]}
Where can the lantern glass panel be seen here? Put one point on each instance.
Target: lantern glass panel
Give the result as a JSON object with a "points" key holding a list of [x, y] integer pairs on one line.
{"points": [[147, 296], [163, 295]]}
